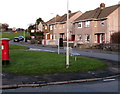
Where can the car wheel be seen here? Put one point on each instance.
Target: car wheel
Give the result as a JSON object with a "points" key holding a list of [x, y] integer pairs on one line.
{"points": [[16, 40]]}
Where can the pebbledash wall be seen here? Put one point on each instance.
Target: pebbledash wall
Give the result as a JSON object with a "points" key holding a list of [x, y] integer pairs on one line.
{"points": [[110, 26], [104, 25]]}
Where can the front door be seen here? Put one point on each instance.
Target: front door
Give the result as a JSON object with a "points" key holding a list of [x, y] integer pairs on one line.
{"points": [[73, 37], [98, 38], [48, 36]]}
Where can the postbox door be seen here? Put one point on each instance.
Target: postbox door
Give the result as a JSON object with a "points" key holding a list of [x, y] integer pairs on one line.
{"points": [[5, 51]]}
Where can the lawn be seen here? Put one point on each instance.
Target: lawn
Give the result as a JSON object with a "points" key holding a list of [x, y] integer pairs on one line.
{"points": [[35, 63], [12, 35], [17, 47]]}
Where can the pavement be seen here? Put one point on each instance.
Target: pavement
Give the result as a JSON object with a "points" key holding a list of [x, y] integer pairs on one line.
{"points": [[15, 80]]}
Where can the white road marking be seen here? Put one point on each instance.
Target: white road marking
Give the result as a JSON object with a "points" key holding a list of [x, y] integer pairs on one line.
{"points": [[33, 49]]}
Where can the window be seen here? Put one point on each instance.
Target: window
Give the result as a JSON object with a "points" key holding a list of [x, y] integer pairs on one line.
{"points": [[80, 37], [45, 27], [102, 23], [80, 25], [54, 26], [87, 24], [63, 25], [60, 26], [95, 24], [51, 27], [87, 37], [51, 37]]}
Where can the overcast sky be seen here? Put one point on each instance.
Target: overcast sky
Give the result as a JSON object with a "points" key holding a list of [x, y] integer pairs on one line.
{"points": [[21, 13]]}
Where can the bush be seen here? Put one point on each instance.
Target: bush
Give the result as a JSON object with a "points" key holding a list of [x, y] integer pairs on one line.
{"points": [[115, 38]]}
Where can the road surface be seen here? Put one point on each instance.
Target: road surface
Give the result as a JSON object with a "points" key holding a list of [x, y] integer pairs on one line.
{"points": [[89, 53], [97, 86]]}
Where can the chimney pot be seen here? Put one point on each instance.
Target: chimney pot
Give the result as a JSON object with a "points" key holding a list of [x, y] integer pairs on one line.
{"points": [[102, 5], [69, 11]]}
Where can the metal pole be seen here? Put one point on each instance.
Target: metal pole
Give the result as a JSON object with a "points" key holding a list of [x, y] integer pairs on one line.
{"points": [[24, 35], [58, 35], [67, 49], [58, 46], [36, 25]]}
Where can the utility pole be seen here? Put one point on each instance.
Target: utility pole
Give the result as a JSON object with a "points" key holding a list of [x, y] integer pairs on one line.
{"points": [[67, 49]]}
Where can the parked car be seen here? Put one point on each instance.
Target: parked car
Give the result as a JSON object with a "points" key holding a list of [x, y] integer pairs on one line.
{"points": [[17, 39]]}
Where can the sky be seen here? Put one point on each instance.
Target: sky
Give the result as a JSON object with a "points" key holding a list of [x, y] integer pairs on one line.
{"points": [[22, 13]]}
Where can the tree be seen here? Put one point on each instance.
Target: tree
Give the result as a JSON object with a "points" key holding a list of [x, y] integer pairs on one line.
{"points": [[5, 26], [31, 26], [39, 20]]}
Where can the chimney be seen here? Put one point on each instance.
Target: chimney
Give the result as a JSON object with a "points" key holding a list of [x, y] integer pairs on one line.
{"points": [[102, 6], [57, 15], [69, 11]]}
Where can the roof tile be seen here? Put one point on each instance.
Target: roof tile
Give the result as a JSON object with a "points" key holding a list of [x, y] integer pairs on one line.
{"points": [[97, 13]]}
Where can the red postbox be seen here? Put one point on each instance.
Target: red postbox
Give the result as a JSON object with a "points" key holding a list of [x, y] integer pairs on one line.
{"points": [[5, 51]]}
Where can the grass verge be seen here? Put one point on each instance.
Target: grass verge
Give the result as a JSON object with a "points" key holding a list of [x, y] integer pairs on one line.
{"points": [[35, 63], [16, 47], [12, 34]]}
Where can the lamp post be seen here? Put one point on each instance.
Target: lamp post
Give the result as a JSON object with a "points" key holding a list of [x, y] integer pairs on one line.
{"points": [[67, 49]]}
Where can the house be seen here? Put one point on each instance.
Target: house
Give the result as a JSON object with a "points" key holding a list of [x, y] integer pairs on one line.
{"points": [[37, 32], [96, 26], [49, 37], [51, 26], [61, 30], [57, 27]]}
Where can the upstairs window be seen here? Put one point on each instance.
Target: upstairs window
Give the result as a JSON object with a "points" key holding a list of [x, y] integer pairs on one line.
{"points": [[64, 25], [51, 27], [80, 25], [87, 24], [102, 23], [95, 24], [54, 26], [60, 26], [45, 27]]}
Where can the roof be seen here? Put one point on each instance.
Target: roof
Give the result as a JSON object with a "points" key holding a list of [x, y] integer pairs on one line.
{"points": [[97, 13], [54, 19], [60, 18], [64, 17]]}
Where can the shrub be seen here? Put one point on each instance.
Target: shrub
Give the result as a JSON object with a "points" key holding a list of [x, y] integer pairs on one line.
{"points": [[115, 38]]}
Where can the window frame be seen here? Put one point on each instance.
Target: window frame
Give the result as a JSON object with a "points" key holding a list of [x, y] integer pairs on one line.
{"points": [[102, 23], [80, 37], [54, 26], [80, 25], [87, 23], [51, 27], [87, 37]]}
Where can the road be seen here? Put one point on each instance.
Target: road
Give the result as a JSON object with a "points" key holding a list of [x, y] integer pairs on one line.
{"points": [[97, 86], [89, 53]]}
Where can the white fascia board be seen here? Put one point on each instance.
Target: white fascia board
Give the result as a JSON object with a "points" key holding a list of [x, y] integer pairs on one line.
{"points": [[92, 19]]}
